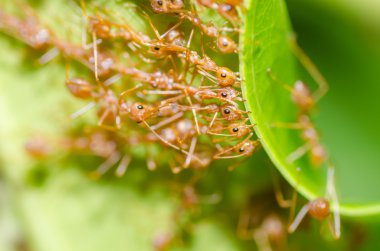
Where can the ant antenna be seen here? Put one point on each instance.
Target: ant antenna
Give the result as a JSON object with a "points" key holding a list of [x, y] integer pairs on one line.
{"points": [[310, 67]]}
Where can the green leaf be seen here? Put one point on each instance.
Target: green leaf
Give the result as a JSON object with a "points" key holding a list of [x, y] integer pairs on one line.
{"points": [[266, 44]]}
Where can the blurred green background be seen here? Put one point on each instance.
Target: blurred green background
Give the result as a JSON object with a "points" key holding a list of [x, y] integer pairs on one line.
{"points": [[54, 205]]}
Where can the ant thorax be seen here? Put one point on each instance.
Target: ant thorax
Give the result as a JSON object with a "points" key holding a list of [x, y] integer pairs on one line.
{"points": [[302, 96]]}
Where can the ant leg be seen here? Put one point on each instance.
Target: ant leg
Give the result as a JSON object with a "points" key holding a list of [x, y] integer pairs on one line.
{"points": [[83, 110], [187, 63], [280, 198], [48, 56], [123, 166], [172, 28], [95, 51], [191, 151], [219, 155], [106, 165], [243, 230], [157, 92], [124, 93], [170, 144], [219, 134], [300, 216], [311, 68], [172, 100], [108, 127], [262, 240], [275, 79], [113, 79], [296, 126], [212, 121], [298, 153], [331, 193], [193, 111], [167, 121]]}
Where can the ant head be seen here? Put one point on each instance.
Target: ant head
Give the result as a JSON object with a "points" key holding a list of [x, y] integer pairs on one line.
{"points": [[247, 148], [302, 96], [140, 111], [79, 88], [230, 112], [158, 50], [318, 155], [238, 130], [226, 44], [225, 77], [228, 93], [319, 209]]}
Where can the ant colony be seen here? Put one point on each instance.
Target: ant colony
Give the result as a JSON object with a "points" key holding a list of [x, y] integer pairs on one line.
{"points": [[161, 87]]}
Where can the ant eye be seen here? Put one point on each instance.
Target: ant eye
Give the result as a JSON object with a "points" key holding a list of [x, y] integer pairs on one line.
{"points": [[223, 75], [226, 111], [140, 107], [160, 3], [241, 149], [224, 95], [235, 129], [156, 48]]}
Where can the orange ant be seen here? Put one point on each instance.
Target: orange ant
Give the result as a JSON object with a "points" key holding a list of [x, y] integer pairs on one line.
{"points": [[237, 130], [140, 112], [245, 148], [320, 208], [224, 76], [300, 92]]}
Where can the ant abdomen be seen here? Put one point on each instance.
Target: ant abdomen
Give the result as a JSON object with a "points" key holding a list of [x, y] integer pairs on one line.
{"points": [[80, 88], [319, 209]]}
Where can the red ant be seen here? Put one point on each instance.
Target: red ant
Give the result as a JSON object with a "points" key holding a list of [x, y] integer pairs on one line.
{"points": [[237, 130], [319, 208], [245, 148]]}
